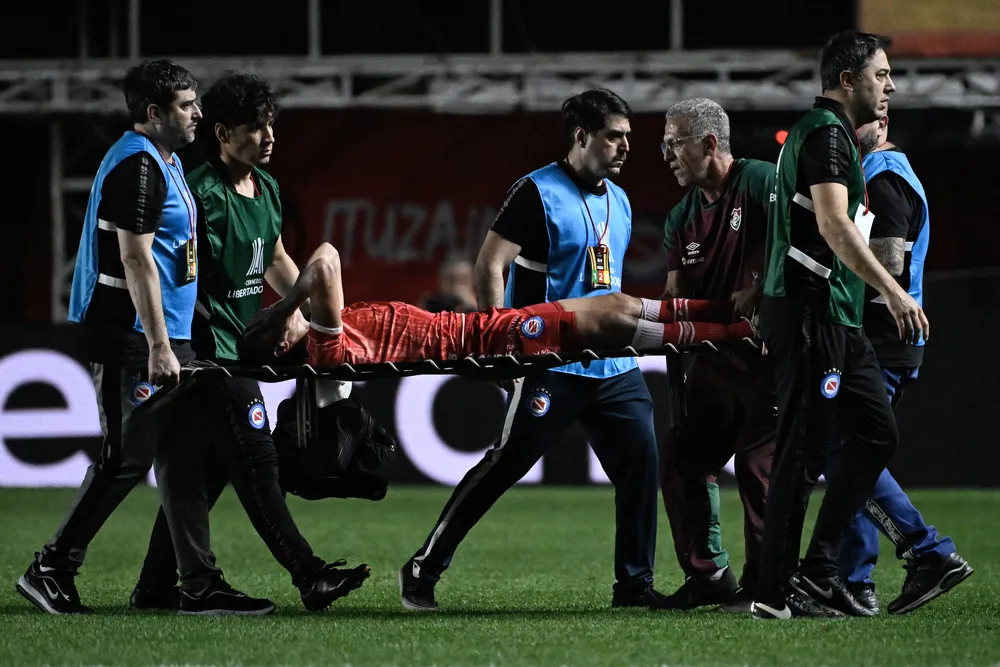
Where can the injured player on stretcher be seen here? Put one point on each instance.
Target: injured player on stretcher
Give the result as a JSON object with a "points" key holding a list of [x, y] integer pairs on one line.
{"points": [[393, 331]]}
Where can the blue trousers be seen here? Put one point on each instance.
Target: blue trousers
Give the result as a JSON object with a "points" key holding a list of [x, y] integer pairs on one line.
{"points": [[617, 415], [890, 512]]}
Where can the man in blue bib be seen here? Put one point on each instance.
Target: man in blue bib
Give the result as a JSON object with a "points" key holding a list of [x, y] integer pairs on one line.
{"points": [[133, 297], [562, 232], [899, 240]]}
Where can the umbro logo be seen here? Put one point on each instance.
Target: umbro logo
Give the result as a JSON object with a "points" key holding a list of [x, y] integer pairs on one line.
{"points": [[692, 247]]}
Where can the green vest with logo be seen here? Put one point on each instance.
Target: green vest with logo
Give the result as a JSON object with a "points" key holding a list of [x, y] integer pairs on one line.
{"points": [[236, 248], [803, 243]]}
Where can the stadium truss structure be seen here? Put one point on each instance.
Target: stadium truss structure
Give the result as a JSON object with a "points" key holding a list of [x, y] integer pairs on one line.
{"points": [[480, 84], [499, 83]]}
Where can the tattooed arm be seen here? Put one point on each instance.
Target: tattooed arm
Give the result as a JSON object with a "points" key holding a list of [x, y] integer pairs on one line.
{"points": [[890, 253]]}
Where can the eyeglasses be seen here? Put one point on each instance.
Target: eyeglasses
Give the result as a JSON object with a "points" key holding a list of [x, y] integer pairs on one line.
{"points": [[671, 144]]}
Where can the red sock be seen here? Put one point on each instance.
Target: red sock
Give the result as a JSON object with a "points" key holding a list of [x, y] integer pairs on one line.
{"points": [[683, 333], [740, 330], [695, 310]]}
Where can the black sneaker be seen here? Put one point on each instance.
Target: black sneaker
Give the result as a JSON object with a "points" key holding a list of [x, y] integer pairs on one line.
{"points": [[796, 606], [741, 603], [331, 583], [701, 591], [416, 594], [865, 595], [221, 599], [51, 590], [648, 597], [830, 593], [155, 599], [767, 612], [927, 578]]}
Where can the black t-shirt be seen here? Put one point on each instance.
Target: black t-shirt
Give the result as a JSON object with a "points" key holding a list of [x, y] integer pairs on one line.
{"points": [[825, 157], [899, 213], [132, 199], [521, 220]]}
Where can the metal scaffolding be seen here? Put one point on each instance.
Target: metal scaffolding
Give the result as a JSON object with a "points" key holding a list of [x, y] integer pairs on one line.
{"points": [[650, 81]]}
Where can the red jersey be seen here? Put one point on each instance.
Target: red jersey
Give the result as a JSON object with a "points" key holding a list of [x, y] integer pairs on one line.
{"points": [[398, 332]]}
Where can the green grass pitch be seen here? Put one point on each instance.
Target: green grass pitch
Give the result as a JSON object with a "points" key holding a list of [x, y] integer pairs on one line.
{"points": [[530, 586]]}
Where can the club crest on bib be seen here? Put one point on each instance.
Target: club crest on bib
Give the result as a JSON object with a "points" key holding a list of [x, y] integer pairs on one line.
{"points": [[538, 402], [533, 327], [736, 218], [257, 417], [140, 392], [830, 385]]}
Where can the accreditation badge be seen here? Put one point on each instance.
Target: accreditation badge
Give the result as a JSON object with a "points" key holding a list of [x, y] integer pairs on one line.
{"points": [[599, 263], [192, 261]]}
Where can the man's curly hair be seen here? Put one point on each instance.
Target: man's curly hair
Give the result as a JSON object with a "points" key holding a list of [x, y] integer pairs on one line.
{"points": [[236, 99]]}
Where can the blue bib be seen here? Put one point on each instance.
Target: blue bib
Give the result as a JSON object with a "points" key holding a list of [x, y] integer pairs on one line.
{"points": [[571, 233], [896, 162], [169, 241]]}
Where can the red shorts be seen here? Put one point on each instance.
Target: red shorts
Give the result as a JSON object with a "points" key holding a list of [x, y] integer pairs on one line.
{"points": [[399, 332]]}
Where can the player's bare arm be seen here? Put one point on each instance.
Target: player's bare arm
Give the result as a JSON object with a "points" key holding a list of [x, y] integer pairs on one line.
{"points": [[495, 255], [890, 252], [143, 280], [838, 230], [321, 284], [281, 276], [283, 272]]}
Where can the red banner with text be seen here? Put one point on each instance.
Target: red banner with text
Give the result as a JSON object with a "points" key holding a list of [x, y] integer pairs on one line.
{"points": [[397, 193]]}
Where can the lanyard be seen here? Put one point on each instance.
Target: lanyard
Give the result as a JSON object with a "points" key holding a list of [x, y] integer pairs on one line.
{"points": [[861, 163], [607, 220], [185, 195]]}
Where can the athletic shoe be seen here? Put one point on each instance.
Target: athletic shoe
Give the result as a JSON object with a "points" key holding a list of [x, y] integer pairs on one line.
{"points": [[51, 590], [648, 597], [865, 595], [221, 599], [332, 583], [701, 591], [796, 605], [155, 599], [927, 578], [741, 603], [830, 593], [415, 593]]}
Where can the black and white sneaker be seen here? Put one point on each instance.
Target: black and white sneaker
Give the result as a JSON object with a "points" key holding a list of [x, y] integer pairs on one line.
{"points": [[332, 583], [796, 606], [155, 599], [416, 594], [865, 595], [51, 590], [221, 599], [829, 593], [704, 591], [927, 578], [770, 612]]}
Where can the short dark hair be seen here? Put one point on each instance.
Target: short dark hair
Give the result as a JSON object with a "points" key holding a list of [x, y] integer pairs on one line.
{"points": [[591, 110], [237, 98], [849, 51], [154, 82]]}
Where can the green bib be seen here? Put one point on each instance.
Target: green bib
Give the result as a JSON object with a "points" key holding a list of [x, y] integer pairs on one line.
{"points": [[236, 248], [801, 242]]}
